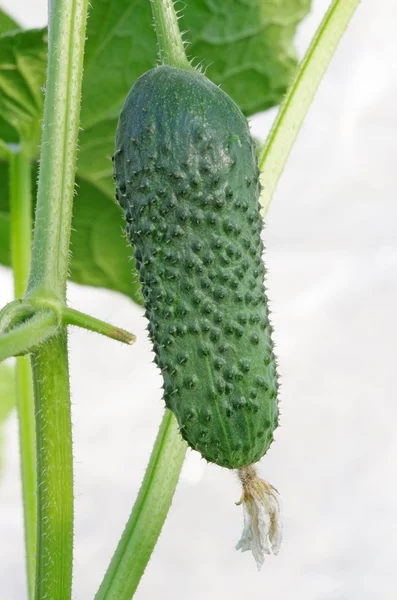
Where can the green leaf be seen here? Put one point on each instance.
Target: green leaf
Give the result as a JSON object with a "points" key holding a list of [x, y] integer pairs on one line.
{"points": [[5, 253], [100, 253], [246, 47], [7, 23], [22, 73], [7, 399], [7, 132]]}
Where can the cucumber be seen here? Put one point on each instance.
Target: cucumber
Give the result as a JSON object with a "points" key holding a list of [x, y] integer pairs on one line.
{"points": [[188, 181]]}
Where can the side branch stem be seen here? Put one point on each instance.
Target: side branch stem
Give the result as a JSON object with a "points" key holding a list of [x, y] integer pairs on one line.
{"points": [[300, 95], [21, 242]]}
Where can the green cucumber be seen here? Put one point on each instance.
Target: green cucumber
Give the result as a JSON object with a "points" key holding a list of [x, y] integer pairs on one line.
{"points": [[188, 181]]}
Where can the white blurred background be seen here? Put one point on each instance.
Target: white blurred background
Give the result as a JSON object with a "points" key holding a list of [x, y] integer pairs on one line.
{"points": [[332, 257]]}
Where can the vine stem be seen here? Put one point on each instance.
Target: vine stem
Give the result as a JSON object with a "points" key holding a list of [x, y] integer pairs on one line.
{"points": [[148, 514], [48, 276], [169, 38], [300, 95], [21, 241]]}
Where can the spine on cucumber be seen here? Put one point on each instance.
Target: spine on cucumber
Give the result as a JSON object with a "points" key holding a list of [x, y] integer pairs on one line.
{"points": [[187, 179]]}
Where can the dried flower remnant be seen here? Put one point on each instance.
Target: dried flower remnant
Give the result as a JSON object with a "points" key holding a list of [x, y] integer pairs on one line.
{"points": [[262, 531]]}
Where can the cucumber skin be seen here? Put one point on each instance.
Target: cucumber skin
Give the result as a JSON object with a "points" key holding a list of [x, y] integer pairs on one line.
{"points": [[187, 179]]}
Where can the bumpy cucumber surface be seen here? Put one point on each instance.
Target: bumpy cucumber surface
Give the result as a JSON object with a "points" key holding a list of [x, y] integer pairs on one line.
{"points": [[187, 179]]}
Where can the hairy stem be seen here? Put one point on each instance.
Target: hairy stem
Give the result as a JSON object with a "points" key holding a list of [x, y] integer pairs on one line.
{"points": [[50, 257], [54, 470], [148, 514], [21, 240], [48, 275], [301, 93], [169, 38]]}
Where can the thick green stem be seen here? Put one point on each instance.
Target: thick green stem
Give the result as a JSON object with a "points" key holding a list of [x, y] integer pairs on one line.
{"points": [[50, 257], [301, 93], [169, 38], [54, 470], [48, 275], [21, 240], [148, 515]]}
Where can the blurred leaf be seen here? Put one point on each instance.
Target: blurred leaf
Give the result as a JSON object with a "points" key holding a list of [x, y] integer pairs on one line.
{"points": [[22, 73], [246, 47], [100, 252], [101, 255], [7, 399], [7, 23], [7, 132], [5, 254]]}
